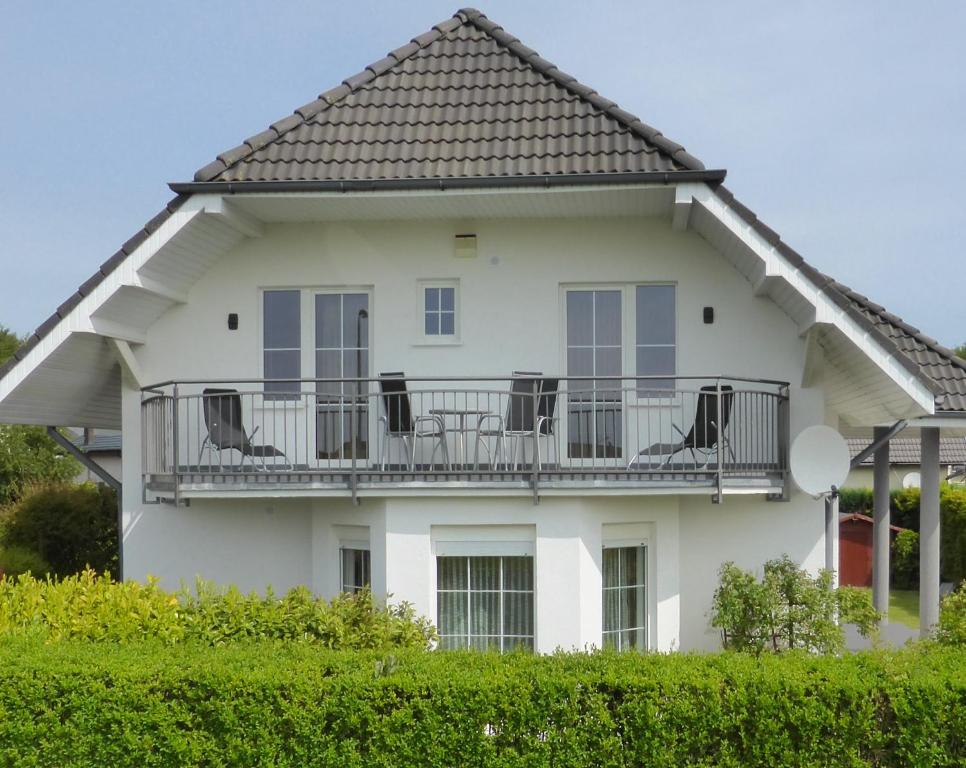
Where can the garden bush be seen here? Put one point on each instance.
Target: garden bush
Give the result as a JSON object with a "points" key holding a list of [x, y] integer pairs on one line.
{"points": [[951, 629], [72, 527], [787, 609], [904, 562], [91, 607], [144, 705], [16, 560]]}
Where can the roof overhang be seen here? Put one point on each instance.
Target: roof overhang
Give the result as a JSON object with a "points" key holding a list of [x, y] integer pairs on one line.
{"points": [[72, 372]]}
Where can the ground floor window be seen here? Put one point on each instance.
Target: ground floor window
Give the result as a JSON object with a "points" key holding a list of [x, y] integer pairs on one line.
{"points": [[356, 569], [625, 597], [485, 602]]}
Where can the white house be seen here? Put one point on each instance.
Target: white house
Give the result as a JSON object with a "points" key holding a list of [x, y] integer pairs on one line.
{"points": [[459, 211]]}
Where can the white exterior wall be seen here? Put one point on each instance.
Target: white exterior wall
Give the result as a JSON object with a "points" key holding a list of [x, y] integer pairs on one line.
{"points": [[511, 301]]}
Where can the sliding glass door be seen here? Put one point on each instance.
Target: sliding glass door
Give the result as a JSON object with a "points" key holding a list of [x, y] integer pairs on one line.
{"points": [[342, 352], [594, 348]]}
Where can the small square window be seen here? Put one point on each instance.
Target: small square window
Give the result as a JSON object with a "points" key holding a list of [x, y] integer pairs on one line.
{"points": [[440, 311]]}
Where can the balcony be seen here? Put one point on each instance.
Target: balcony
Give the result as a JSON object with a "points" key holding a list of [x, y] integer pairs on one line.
{"points": [[527, 434]]}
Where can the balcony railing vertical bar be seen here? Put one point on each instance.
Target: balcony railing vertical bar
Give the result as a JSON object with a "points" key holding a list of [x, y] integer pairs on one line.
{"points": [[347, 433]]}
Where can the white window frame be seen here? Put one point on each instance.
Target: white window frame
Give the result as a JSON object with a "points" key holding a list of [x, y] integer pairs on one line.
{"points": [[618, 535], [499, 540], [644, 567], [439, 339], [355, 546]]}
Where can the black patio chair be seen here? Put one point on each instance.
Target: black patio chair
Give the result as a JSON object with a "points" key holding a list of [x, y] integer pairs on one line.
{"points": [[226, 431], [399, 423], [519, 419], [708, 434]]}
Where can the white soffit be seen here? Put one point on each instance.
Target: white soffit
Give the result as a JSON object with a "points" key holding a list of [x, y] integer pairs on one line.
{"points": [[772, 275], [72, 377]]}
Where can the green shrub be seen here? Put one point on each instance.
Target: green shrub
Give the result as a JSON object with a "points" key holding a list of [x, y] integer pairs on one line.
{"points": [[855, 501], [72, 527], [97, 608], [904, 563], [787, 609], [15, 560], [146, 705], [951, 629]]}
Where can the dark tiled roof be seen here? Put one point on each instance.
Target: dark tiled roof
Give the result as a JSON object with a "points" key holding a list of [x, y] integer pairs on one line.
{"points": [[905, 450], [940, 364], [464, 100]]}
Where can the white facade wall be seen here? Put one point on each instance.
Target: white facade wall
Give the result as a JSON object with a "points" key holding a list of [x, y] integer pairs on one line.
{"points": [[511, 299]]}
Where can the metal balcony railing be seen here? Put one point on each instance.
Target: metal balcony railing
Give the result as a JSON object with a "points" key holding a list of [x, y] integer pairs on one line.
{"points": [[531, 430]]}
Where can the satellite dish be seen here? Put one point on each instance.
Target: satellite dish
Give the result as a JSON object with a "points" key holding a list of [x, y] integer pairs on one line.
{"points": [[911, 480], [819, 459]]}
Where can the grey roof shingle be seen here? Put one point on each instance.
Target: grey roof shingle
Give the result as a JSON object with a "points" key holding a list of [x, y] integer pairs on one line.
{"points": [[465, 100], [906, 450], [940, 364]]}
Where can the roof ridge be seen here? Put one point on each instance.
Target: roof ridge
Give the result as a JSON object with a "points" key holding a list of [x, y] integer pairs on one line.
{"points": [[893, 319], [570, 83], [328, 98]]}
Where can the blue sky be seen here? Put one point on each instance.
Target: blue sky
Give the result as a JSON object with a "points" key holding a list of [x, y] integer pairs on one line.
{"points": [[839, 123]]}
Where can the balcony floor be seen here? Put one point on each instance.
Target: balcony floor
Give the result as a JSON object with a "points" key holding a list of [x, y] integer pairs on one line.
{"points": [[300, 480]]}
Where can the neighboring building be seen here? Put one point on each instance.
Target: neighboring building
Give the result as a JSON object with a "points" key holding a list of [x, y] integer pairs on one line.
{"points": [[461, 210], [855, 549], [101, 447], [905, 461]]}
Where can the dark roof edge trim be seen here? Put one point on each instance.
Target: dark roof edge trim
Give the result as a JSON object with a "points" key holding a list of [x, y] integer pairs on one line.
{"points": [[825, 284], [712, 177]]}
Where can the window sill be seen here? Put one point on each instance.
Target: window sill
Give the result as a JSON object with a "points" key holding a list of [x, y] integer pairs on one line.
{"points": [[445, 341]]}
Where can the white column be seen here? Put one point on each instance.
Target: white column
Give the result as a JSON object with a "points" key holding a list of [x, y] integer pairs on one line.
{"points": [[832, 537], [880, 525], [567, 580], [929, 531]]}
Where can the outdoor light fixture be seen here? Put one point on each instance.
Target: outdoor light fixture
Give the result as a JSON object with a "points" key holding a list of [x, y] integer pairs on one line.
{"points": [[708, 315], [233, 321]]}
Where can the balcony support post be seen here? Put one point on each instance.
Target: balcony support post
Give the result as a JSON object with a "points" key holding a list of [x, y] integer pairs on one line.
{"points": [[535, 453], [719, 491], [175, 446]]}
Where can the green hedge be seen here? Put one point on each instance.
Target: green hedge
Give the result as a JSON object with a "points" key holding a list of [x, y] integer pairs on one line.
{"points": [[71, 704], [96, 608]]}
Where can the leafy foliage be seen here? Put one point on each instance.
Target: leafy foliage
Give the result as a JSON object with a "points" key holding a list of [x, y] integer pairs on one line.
{"points": [[951, 629], [97, 608], [855, 501], [147, 704], [8, 343], [787, 609], [15, 560], [72, 527], [28, 457], [905, 560]]}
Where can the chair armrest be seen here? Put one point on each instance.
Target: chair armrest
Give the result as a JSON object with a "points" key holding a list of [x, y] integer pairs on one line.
{"points": [[488, 417], [436, 420]]}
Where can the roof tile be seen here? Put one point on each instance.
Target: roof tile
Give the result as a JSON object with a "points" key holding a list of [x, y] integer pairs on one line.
{"points": [[466, 98]]}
